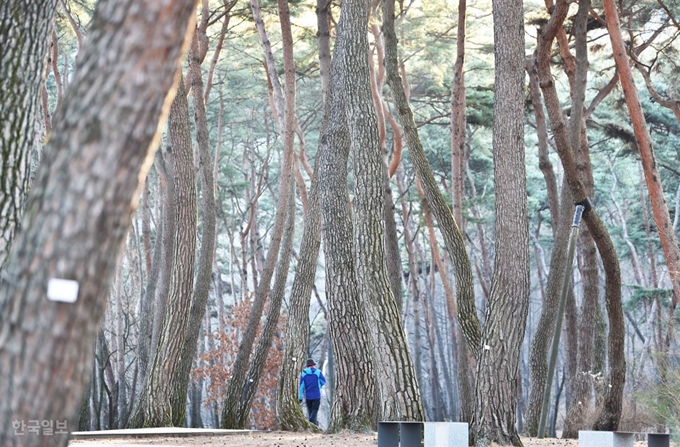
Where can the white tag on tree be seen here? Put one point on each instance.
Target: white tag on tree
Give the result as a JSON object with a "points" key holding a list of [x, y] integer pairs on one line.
{"points": [[62, 290]]}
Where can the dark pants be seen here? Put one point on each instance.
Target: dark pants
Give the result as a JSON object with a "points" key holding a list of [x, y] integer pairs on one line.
{"points": [[313, 410]]}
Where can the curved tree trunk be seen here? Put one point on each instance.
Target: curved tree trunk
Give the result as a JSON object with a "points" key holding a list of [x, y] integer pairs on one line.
{"points": [[231, 406], [103, 137], [155, 406], [25, 28], [579, 194], [267, 334], [355, 380], [453, 238]]}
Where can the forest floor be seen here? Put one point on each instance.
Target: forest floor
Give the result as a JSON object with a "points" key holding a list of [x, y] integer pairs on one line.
{"points": [[285, 439]]}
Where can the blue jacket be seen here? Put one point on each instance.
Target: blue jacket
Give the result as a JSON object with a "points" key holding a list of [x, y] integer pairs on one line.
{"points": [[311, 381]]}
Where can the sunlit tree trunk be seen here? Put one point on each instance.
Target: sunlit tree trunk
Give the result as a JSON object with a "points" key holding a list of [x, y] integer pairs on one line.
{"points": [[80, 206]]}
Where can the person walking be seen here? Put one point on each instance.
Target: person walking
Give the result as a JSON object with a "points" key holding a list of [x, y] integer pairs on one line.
{"points": [[311, 381]]}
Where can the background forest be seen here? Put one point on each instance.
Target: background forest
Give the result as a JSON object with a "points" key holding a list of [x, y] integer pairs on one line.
{"points": [[229, 260]]}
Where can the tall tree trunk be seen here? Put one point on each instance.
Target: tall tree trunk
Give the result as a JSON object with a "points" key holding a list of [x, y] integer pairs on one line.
{"points": [[104, 137], [155, 406], [453, 238], [505, 322], [579, 195], [669, 241], [208, 234], [289, 412], [25, 28], [231, 403], [355, 380], [398, 389]]}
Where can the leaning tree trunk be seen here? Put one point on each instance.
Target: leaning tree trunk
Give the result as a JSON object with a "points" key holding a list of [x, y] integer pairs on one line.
{"points": [[505, 322], [24, 31], [669, 241], [453, 238], [596, 226], [80, 207], [155, 408], [261, 351]]}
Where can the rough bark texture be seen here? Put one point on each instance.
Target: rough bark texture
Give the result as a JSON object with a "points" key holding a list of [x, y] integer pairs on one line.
{"points": [[289, 412], [355, 382], [505, 322], [208, 235], [155, 408], [399, 395], [24, 31], [591, 218], [79, 209], [458, 119]]}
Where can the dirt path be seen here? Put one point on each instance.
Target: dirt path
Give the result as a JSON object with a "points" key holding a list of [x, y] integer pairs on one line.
{"points": [[287, 439]]}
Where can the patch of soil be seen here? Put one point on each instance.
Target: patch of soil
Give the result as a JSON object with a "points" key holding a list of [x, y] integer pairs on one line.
{"points": [[287, 439]]}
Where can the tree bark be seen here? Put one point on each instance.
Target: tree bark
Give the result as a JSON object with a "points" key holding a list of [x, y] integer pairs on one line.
{"points": [[240, 368], [208, 235], [398, 389], [355, 381], [669, 241], [505, 322], [453, 238], [289, 412], [579, 194], [155, 406], [25, 28], [79, 209]]}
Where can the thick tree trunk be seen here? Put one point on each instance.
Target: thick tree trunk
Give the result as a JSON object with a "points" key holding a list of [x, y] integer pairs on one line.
{"points": [[80, 206], [208, 235], [398, 389], [355, 381], [505, 322], [155, 406], [24, 31]]}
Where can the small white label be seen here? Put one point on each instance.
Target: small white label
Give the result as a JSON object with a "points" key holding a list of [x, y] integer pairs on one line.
{"points": [[487, 347], [62, 290]]}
